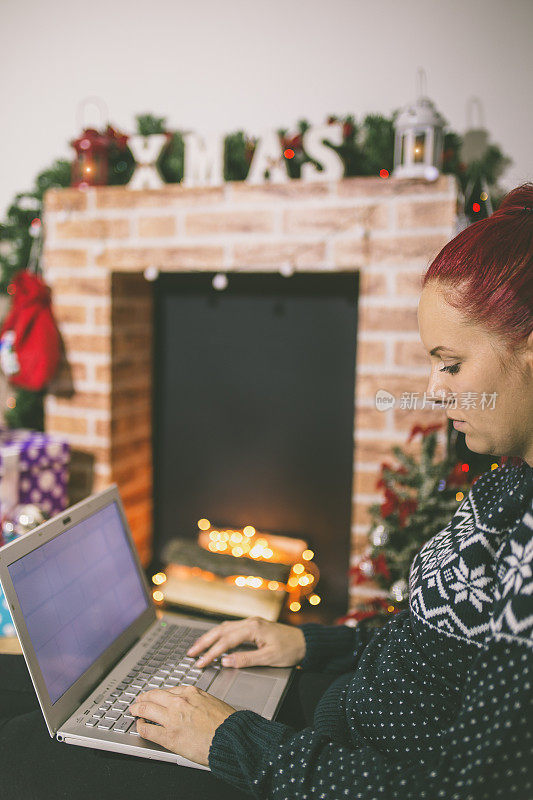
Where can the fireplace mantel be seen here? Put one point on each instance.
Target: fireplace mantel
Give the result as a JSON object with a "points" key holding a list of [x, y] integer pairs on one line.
{"points": [[101, 242]]}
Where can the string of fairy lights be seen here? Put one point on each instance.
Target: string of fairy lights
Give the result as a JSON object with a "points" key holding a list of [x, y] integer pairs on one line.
{"points": [[248, 542]]}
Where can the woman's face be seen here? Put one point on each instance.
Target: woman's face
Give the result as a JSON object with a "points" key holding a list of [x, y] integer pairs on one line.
{"points": [[493, 395]]}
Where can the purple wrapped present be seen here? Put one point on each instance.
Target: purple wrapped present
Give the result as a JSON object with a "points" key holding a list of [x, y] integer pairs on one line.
{"points": [[34, 469]]}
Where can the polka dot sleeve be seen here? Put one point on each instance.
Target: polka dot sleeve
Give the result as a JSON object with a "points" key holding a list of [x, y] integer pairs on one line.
{"points": [[484, 752]]}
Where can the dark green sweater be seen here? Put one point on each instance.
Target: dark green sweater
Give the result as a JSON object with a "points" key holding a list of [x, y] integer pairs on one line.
{"points": [[437, 703]]}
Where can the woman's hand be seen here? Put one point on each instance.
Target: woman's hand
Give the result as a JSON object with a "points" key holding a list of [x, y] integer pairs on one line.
{"points": [[188, 718], [278, 645]]}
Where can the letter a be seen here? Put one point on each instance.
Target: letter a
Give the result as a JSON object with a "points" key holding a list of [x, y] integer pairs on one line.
{"points": [[268, 156]]}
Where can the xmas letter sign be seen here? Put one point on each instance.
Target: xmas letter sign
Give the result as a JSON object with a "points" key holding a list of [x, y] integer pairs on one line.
{"points": [[204, 158]]}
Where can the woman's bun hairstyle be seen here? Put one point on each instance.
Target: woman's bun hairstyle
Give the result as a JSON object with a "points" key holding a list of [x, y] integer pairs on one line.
{"points": [[518, 201], [486, 271]]}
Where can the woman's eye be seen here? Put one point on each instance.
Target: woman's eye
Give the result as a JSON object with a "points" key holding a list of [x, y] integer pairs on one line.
{"points": [[452, 369]]}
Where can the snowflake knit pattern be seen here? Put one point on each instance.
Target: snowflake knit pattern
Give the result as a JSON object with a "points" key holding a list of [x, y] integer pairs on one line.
{"points": [[435, 705]]}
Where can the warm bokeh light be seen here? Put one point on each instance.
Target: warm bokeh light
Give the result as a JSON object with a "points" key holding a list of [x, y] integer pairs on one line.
{"points": [[159, 578], [494, 466], [295, 606], [11, 402], [288, 153], [384, 173], [247, 542], [476, 207], [459, 496], [158, 596], [390, 608], [314, 599], [465, 467]]}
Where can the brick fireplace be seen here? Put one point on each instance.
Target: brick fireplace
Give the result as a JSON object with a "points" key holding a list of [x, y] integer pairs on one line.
{"points": [[99, 242]]}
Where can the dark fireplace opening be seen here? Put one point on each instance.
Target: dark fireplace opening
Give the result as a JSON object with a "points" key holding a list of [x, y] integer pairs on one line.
{"points": [[253, 411]]}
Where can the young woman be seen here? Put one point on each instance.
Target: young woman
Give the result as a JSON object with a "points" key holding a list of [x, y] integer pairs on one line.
{"points": [[435, 704]]}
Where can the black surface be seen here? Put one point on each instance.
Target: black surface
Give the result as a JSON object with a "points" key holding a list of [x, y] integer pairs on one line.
{"points": [[254, 410]]}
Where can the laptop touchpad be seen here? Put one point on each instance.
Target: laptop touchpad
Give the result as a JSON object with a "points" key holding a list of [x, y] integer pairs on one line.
{"points": [[249, 691]]}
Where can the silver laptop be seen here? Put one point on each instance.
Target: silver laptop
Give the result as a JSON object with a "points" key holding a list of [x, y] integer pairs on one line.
{"points": [[93, 640]]}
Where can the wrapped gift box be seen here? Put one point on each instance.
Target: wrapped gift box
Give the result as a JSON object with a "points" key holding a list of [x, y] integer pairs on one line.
{"points": [[34, 470], [35, 467]]}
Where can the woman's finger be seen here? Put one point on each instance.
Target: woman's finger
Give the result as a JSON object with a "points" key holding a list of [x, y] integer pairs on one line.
{"points": [[205, 640], [232, 638], [152, 712], [154, 733], [237, 628], [220, 647], [157, 696]]}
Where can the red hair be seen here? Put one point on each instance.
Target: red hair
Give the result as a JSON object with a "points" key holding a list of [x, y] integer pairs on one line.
{"points": [[486, 272]]}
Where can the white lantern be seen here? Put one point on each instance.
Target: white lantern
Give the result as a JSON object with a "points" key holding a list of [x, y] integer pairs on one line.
{"points": [[419, 140]]}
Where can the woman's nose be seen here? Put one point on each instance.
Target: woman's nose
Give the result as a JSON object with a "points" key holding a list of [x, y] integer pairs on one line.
{"points": [[437, 387]]}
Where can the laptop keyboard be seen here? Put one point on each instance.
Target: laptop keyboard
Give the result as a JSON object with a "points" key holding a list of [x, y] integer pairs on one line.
{"points": [[164, 665]]}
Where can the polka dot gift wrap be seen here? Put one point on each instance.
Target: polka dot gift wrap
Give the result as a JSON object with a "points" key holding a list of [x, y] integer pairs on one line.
{"points": [[41, 477]]}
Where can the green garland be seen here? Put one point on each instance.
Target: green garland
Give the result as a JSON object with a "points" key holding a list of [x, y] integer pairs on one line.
{"points": [[367, 147]]}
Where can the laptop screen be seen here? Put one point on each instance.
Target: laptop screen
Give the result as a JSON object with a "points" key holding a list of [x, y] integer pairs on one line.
{"points": [[78, 592]]}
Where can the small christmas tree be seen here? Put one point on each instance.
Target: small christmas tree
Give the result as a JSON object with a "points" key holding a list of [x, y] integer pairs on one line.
{"points": [[420, 499]]}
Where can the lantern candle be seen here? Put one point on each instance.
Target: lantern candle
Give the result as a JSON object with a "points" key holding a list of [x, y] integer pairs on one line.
{"points": [[90, 167], [418, 147]]}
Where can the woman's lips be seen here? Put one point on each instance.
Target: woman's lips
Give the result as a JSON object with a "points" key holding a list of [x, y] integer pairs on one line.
{"points": [[459, 424]]}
